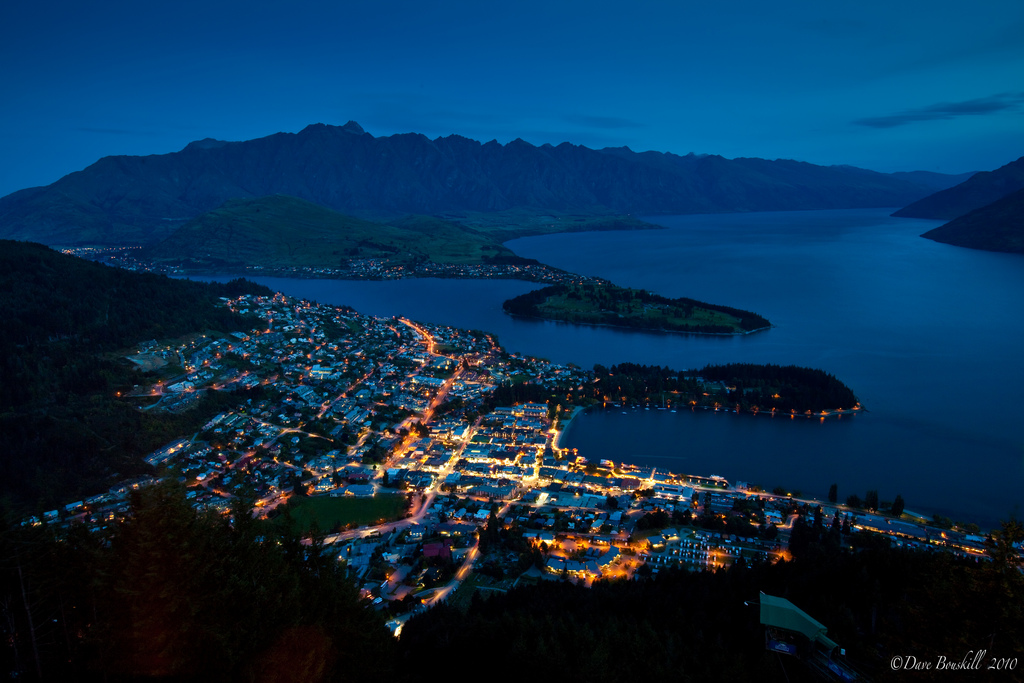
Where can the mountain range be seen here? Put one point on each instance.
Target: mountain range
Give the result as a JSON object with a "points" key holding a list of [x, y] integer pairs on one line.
{"points": [[141, 200], [987, 211], [977, 191], [998, 226]]}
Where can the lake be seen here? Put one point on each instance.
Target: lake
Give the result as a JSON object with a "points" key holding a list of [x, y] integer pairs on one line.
{"points": [[929, 337]]}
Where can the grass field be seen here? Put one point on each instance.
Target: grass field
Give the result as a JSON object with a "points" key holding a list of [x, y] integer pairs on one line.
{"points": [[328, 512], [282, 231], [476, 583]]}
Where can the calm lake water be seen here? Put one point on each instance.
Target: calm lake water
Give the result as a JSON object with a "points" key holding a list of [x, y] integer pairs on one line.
{"points": [[928, 336]]}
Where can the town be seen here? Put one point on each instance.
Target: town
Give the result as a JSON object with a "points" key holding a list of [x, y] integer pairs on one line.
{"points": [[401, 449], [131, 258]]}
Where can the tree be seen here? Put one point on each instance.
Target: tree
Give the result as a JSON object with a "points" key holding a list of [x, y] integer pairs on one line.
{"points": [[1004, 555], [490, 537], [682, 517], [833, 493], [871, 500], [853, 501], [182, 594], [897, 506], [802, 537]]}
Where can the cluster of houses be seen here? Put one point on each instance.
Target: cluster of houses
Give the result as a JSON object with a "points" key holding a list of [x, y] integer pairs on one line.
{"points": [[344, 388], [355, 268]]}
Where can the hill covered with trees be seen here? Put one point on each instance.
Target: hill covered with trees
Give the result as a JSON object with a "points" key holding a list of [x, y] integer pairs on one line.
{"points": [[981, 189], [64, 317], [747, 386], [783, 387], [178, 595], [999, 226], [877, 602]]}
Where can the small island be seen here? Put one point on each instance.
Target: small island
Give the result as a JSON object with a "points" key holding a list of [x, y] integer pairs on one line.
{"points": [[608, 304]]}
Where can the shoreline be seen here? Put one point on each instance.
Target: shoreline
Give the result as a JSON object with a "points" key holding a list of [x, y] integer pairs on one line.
{"points": [[355, 278], [556, 442], [909, 517], [821, 415], [646, 330]]}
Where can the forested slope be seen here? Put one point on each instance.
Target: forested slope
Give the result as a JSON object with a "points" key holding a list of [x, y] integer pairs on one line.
{"points": [[65, 430]]}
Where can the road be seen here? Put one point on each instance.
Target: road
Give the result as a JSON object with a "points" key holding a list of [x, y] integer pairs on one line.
{"points": [[427, 497]]}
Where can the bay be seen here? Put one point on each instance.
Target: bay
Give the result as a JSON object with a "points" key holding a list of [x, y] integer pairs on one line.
{"points": [[928, 336]]}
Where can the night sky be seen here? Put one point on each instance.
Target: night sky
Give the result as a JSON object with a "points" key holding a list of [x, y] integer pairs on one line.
{"points": [[887, 85]]}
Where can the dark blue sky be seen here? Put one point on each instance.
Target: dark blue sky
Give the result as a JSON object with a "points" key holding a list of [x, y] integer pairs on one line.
{"points": [[888, 85]]}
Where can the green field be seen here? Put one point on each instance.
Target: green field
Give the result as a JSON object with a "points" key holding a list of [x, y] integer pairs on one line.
{"points": [[507, 225], [479, 584], [655, 316], [329, 512], [284, 232]]}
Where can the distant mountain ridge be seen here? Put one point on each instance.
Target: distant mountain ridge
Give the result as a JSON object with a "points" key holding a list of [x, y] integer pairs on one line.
{"points": [[981, 189], [999, 226], [142, 199]]}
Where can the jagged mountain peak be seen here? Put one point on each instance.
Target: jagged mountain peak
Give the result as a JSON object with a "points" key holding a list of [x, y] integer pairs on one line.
{"points": [[350, 127], [206, 143], [141, 200]]}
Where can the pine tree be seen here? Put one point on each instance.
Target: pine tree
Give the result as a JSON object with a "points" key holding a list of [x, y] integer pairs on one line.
{"points": [[897, 506]]}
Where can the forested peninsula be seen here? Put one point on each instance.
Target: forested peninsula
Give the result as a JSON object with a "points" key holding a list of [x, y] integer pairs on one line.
{"points": [[608, 304], [748, 387]]}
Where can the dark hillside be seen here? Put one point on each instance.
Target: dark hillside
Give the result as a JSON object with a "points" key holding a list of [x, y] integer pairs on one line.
{"points": [[979, 190], [695, 626], [996, 227], [64, 429]]}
